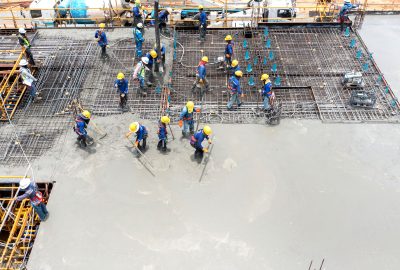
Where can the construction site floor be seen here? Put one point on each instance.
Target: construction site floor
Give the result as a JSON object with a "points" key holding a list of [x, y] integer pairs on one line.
{"points": [[271, 197]]}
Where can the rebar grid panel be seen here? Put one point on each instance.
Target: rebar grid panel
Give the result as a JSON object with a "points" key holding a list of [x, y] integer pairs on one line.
{"points": [[313, 58]]}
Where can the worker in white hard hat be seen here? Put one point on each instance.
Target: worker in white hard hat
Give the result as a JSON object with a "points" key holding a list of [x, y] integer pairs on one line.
{"points": [[28, 79], [26, 44], [137, 13], [32, 193], [101, 39], [139, 74], [81, 122], [141, 135], [139, 39], [163, 19], [163, 133]]}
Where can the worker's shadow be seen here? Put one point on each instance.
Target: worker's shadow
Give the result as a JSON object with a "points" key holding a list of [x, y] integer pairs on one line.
{"points": [[88, 149], [134, 152]]}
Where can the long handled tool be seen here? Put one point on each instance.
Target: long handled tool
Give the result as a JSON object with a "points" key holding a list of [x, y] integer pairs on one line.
{"points": [[206, 160], [170, 129], [147, 165], [96, 128]]}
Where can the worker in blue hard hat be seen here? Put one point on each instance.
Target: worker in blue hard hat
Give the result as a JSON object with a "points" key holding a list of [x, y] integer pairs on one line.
{"points": [[343, 14]]}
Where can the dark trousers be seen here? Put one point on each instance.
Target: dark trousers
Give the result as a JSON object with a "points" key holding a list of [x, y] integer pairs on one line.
{"points": [[104, 51], [123, 99], [82, 140], [137, 20], [143, 143], [41, 210], [203, 31], [162, 144], [29, 56]]}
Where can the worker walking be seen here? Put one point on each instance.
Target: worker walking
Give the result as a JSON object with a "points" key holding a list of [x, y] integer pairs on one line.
{"points": [[153, 57], [32, 193], [163, 19], [141, 135], [163, 51], [122, 85], [162, 133], [202, 18], [266, 92], [139, 39], [139, 74], [28, 79], [201, 74], [235, 91], [228, 51], [186, 118], [137, 13], [343, 14], [81, 122], [101, 38], [24, 42], [197, 140]]}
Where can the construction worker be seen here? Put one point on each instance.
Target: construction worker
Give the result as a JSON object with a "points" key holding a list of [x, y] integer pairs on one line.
{"points": [[202, 17], [152, 56], [266, 92], [235, 91], [197, 140], [32, 193], [82, 121], [139, 39], [137, 13], [141, 135], [163, 19], [101, 38], [28, 79], [139, 74], [122, 85], [343, 14], [24, 42], [186, 118], [162, 133], [201, 75], [163, 51], [234, 67], [228, 51]]}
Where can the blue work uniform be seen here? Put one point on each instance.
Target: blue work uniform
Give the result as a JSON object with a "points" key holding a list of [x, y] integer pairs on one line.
{"points": [[141, 134], [163, 16], [137, 15], [343, 13], [203, 25], [201, 71], [229, 52], [151, 60], [138, 41], [197, 139], [232, 70], [102, 41], [81, 124], [36, 199], [162, 136], [122, 86], [266, 94], [187, 118], [234, 87]]}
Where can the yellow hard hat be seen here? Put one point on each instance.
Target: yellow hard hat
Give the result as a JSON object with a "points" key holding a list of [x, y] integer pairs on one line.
{"points": [[165, 119], [120, 76], [134, 127], [204, 59], [102, 25], [264, 77], [238, 73], [190, 106], [201, 7], [235, 63], [153, 53], [207, 130], [228, 37], [137, 2], [86, 114]]}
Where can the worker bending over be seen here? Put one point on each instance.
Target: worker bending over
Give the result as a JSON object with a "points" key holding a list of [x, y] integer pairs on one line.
{"points": [[101, 38], [235, 91], [32, 193], [81, 122], [266, 92], [139, 75], [24, 42], [153, 57], [163, 19], [141, 135], [137, 13], [343, 14], [201, 74], [197, 140], [186, 118], [163, 51], [139, 39], [122, 84], [28, 79], [162, 133]]}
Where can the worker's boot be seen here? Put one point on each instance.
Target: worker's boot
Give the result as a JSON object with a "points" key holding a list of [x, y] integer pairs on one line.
{"points": [[159, 144], [82, 143], [164, 146], [191, 131]]}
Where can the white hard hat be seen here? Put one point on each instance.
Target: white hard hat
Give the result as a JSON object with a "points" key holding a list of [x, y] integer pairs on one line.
{"points": [[139, 25], [24, 183], [22, 30], [169, 10], [347, 2], [145, 60], [23, 62]]}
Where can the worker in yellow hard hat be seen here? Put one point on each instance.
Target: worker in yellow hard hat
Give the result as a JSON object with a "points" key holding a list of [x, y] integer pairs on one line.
{"points": [[141, 134], [197, 140], [201, 74], [122, 84], [81, 122], [266, 92], [186, 118], [163, 51], [234, 88], [228, 51], [234, 67], [137, 13], [101, 39], [163, 133], [202, 18], [153, 57]]}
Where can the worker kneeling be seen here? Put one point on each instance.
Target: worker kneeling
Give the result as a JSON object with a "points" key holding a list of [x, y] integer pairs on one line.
{"points": [[197, 140], [81, 123], [141, 135], [162, 133]]}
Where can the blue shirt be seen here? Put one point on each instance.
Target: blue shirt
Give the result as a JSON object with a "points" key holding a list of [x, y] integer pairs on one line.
{"points": [[163, 16], [122, 85], [141, 133], [198, 138], [30, 192], [266, 91], [203, 18], [346, 8], [151, 59], [234, 85], [201, 71], [138, 35], [229, 49], [136, 12], [234, 69], [185, 115], [102, 38], [162, 131]]}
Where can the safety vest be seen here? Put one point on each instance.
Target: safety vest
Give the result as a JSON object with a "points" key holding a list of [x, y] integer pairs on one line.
{"points": [[25, 40], [188, 116], [37, 199]]}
